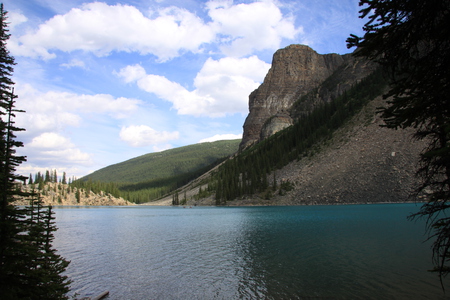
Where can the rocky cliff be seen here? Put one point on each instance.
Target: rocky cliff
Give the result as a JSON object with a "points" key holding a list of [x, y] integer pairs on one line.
{"points": [[296, 71]]}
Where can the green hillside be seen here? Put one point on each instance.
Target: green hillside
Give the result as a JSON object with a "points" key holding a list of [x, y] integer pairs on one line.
{"points": [[165, 164]]}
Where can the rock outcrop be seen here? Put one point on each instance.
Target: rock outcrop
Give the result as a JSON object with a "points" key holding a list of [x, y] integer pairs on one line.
{"points": [[63, 194], [296, 71], [276, 123]]}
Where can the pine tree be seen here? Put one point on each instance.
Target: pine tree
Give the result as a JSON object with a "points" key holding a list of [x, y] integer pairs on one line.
{"points": [[47, 177], [410, 40], [28, 269], [78, 195], [9, 215]]}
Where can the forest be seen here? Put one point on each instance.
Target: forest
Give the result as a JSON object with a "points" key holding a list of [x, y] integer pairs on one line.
{"points": [[154, 188]]}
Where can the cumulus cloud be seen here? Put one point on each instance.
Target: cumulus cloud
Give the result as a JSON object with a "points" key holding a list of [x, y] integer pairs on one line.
{"points": [[53, 110], [101, 28], [51, 147], [248, 27], [143, 135], [229, 81], [97, 27], [221, 86], [221, 137], [15, 19], [131, 73], [50, 140]]}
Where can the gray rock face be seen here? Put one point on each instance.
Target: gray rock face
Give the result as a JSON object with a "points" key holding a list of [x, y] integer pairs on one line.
{"points": [[276, 123], [295, 71]]}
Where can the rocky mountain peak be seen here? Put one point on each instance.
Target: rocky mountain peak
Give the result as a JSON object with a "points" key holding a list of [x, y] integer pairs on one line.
{"points": [[295, 71]]}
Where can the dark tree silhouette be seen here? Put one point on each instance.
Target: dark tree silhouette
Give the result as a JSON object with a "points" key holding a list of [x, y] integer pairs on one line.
{"points": [[410, 40]]}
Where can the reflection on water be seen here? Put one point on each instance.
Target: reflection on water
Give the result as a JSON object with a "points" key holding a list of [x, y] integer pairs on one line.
{"points": [[340, 252]]}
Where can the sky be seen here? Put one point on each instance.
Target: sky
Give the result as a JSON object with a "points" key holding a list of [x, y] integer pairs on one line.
{"points": [[103, 82]]}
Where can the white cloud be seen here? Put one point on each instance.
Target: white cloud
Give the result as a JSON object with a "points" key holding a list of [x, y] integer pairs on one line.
{"points": [[69, 156], [143, 135], [221, 86], [221, 137], [34, 169], [229, 81], [15, 19], [50, 140], [248, 27], [74, 63], [238, 30], [101, 28], [50, 111], [184, 101], [131, 73], [53, 148]]}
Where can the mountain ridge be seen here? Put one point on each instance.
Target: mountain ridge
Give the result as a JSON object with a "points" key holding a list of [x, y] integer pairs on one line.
{"points": [[165, 163]]}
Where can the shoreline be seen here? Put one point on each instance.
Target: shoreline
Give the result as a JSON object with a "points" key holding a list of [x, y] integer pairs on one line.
{"points": [[300, 204]]}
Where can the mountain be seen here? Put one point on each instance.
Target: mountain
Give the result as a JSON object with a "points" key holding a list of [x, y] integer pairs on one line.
{"points": [[313, 136], [296, 71], [166, 163]]}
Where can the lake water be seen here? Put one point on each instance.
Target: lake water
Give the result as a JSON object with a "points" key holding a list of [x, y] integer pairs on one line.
{"points": [[297, 252]]}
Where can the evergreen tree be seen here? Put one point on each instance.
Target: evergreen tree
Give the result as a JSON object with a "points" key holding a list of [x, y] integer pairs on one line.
{"points": [[78, 195], [37, 177], [45, 264], [410, 40], [9, 215], [28, 268]]}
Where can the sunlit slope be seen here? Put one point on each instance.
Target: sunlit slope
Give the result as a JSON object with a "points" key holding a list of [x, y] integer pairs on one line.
{"points": [[166, 163]]}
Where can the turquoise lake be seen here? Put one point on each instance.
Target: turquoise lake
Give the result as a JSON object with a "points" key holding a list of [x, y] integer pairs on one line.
{"points": [[295, 252]]}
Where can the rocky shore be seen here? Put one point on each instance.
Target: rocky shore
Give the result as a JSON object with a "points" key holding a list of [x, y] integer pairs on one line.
{"points": [[63, 194]]}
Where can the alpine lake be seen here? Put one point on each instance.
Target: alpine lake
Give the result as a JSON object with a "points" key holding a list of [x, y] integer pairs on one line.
{"points": [[274, 252]]}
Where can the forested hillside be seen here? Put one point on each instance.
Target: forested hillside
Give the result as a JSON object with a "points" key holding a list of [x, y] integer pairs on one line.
{"points": [[148, 177], [166, 163]]}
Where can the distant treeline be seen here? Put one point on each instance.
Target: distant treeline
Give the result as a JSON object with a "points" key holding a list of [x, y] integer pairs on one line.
{"points": [[247, 173], [48, 176]]}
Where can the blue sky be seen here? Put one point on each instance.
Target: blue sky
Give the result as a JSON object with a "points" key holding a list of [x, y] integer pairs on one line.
{"points": [[106, 81]]}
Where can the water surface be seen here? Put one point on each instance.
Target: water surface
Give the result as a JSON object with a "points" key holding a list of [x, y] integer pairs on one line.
{"points": [[296, 252]]}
